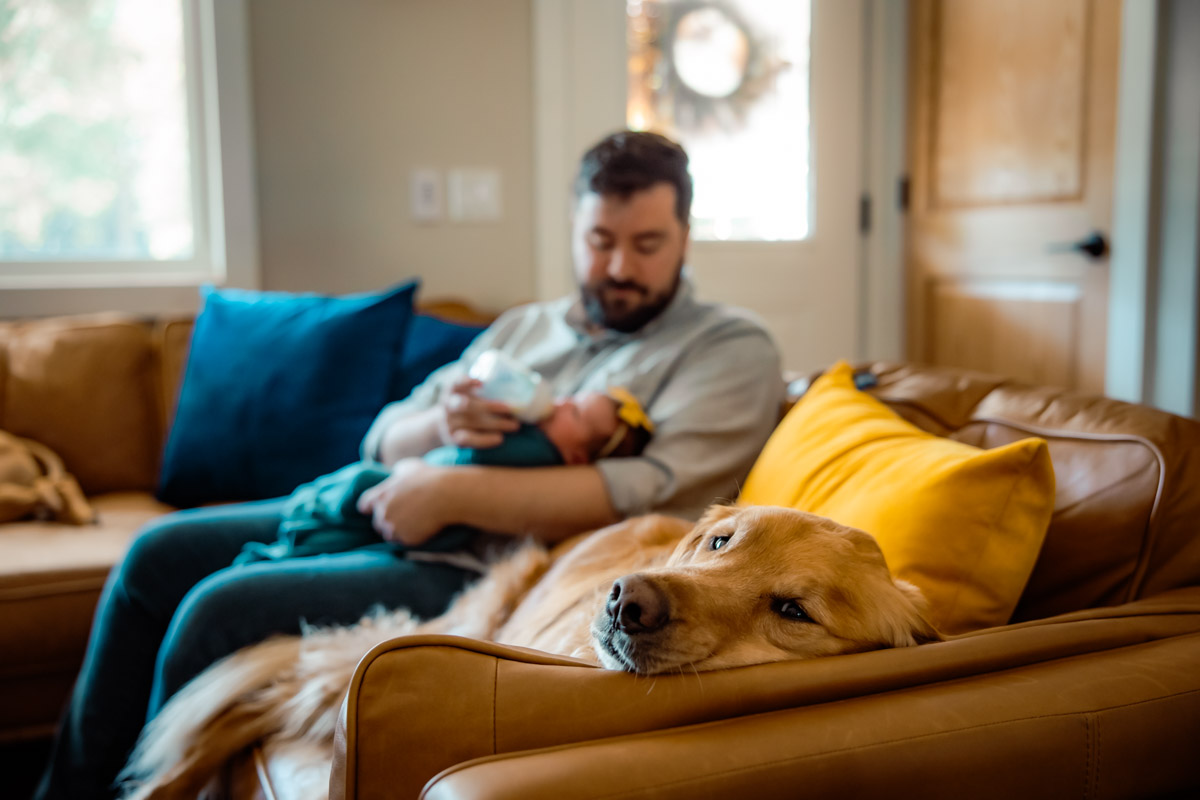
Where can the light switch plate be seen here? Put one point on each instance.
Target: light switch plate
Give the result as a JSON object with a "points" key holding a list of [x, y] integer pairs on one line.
{"points": [[473, 195], [426, 195]]}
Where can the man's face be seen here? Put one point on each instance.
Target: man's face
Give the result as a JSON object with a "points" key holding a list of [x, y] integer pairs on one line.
{"points": [[628, 254]]}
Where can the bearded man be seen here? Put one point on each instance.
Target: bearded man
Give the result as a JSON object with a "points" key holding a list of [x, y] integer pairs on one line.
{"points": [[707, 375]]}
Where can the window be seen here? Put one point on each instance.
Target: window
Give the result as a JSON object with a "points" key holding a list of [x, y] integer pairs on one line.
{"points": [[116, 154], [727, 78]]}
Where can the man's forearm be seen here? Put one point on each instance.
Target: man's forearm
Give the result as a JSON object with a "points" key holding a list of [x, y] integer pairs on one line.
{"points": [[409, 436], [548, 503]]}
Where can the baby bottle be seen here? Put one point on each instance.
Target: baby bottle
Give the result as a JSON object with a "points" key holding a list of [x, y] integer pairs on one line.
{"points": [[520, 388]]}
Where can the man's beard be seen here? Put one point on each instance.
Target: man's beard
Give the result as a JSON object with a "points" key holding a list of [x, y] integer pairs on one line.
{"points": [[622, 315]]}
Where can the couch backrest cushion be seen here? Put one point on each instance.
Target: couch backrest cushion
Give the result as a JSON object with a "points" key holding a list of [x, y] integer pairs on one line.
{"points": [[87, 388], [1127, 506]]}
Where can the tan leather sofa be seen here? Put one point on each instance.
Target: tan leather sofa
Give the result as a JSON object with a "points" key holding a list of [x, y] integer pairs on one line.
{"points": [[97, 390], [1093, 690]]}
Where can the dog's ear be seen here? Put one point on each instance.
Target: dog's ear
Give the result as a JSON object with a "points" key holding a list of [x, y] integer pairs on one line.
{"points": [[910, 624], [716, 513]]}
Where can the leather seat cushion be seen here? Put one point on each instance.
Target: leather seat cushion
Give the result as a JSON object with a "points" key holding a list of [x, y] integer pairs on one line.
{"points": [[51, 576]]}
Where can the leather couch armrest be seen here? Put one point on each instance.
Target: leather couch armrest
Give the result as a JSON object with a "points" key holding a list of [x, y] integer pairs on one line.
{"points": [[420, 705], [1118, 723]]}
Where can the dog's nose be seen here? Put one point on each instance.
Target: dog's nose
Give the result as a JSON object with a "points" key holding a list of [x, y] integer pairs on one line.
{"points": [[636, 605]]}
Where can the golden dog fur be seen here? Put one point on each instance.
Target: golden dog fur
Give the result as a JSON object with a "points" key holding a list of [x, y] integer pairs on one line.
{"points": [[743, 586]]}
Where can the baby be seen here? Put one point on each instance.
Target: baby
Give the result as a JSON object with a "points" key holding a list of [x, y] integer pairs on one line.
{"points": [[322, 517], [578, 430]]}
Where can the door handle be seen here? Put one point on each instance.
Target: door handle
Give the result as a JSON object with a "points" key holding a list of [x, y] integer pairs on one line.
{"points": [[1094, 246]]}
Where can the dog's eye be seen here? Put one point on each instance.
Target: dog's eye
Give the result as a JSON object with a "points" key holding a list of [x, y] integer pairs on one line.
{"points": [[717, 542], [791, 610]]}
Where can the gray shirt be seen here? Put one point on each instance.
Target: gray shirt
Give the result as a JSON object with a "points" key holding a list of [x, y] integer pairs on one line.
{"points": [[707, 375]]}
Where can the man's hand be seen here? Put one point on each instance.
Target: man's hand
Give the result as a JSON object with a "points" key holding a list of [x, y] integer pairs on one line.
{"points": [[471, 421], [408, 506], [549, 503]]}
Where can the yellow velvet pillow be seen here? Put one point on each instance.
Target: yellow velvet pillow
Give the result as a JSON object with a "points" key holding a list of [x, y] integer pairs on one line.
{"points": [[963, 524]]}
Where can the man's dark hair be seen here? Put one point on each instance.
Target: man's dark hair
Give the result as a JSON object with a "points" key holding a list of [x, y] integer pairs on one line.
{"points": [[630, 161]]}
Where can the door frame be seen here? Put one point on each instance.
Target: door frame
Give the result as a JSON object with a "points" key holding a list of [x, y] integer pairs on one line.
{"points": [[885, 169]]}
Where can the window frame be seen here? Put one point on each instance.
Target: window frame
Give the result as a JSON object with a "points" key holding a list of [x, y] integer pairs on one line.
{"points": [[220, 122]]}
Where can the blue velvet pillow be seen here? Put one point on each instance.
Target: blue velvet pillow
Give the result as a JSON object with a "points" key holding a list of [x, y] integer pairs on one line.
{"points": [[279, 388], [431, 343]]}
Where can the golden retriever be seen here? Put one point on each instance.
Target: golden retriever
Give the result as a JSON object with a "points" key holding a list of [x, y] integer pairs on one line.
{"points": [[650, 595]]}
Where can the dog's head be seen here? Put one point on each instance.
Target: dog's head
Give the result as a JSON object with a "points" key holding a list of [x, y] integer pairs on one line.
{"points": [[757, 584]]}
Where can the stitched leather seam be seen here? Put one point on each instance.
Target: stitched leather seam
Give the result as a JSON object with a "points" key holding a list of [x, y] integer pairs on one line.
{"points": [[641, 790]]}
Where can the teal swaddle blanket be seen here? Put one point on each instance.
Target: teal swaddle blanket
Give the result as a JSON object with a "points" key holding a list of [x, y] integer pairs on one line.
{"points": [[322, 516]]}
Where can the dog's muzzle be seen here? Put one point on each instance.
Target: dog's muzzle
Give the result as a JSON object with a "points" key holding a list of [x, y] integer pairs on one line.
{"points": [[636, 605]]}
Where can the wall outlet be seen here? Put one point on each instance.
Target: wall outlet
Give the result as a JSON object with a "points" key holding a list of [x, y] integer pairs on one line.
{"points": [[425, 196], [473, 195]]}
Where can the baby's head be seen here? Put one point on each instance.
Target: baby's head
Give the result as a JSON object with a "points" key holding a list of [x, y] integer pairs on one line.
{"points": [[592, 425]]}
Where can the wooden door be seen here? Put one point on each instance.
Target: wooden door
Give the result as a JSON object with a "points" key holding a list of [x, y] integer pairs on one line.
{"points": [[1012, 113]]}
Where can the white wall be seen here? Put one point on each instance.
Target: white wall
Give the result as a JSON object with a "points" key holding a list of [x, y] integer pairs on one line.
{"points": [[350, 97]]}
